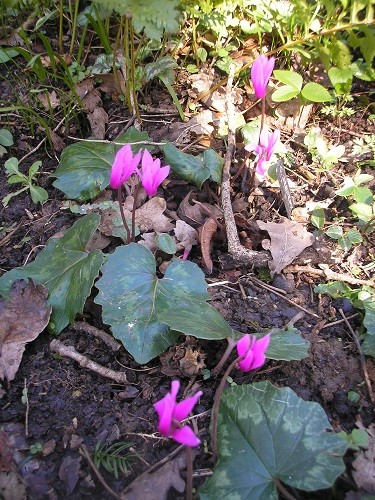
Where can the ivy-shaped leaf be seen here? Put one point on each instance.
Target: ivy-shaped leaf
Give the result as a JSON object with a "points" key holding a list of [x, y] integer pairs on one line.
{"points": [[195, 169], [66, 269], [146, 312], [85, 166], [266, 434]]}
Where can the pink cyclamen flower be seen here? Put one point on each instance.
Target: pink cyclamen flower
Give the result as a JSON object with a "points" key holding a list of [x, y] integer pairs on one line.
{"points": [[124, 166], [261, 71], [152, 174], [253, 350], [171, 414], [265, 149]]}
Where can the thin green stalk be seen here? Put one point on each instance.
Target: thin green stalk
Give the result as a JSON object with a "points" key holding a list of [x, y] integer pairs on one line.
{"points": [[189, 473], [61, 26], [74, 16], [133, 212], [126, 226], [215, 408], [132, 71]]}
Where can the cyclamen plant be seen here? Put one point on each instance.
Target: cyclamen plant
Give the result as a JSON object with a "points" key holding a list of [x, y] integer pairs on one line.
{"points": [[151, 176], [251, 356], [260, 75]]}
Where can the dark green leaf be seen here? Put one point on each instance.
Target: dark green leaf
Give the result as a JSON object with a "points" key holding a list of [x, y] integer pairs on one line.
{"points": [[140, 308], [85, 166], [66, 269], [193, 168], [267, 434], [166, 243]]}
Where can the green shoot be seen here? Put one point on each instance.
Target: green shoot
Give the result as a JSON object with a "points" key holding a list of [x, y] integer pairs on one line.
{"points": [[37, 193]]}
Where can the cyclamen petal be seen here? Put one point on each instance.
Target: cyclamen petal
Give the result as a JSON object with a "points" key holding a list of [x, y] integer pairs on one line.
{"points": [[124, 165], [261, 71], [171, 414], [152, 173], [253, 350], [186, 436], [185, 407]]}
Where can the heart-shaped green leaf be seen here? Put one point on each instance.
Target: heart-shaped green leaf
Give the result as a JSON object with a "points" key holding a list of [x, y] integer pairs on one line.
{"points": [[145, 312], [85, 166], [290, 78], [66, 269], [194, 168], [266, 434]]}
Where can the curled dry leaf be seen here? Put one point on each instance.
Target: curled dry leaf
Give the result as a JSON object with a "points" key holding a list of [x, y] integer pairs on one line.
{"points": [[98, 120], [206, 233], [185, 234], [22, 319], [161, 481], [196, 214], [150, 216], [288, 240]]}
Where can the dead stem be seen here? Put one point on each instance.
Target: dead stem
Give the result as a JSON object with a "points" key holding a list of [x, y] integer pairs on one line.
{"points": [[238, 252], [87, 455], [70, 352]]}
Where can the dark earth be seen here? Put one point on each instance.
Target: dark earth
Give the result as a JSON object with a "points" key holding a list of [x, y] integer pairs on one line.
{"points": [[70, 408]]}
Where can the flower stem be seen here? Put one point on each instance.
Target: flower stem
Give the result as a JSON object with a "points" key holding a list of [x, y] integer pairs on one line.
{"points": [[133, 213], [231, 345], [262, 119], [119, 197], [215, 408], [189, 473]]}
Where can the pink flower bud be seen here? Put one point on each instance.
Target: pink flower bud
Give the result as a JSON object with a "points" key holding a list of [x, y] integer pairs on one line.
{"points": [[124, 165], [152, 174], [261, 71], [253, 351]]}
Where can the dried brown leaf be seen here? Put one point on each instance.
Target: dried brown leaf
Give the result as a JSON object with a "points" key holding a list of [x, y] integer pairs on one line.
{"points": [[206, 233], [185, 234], [22, 319], [364, 464], [288, 240], [98, 120], [161, 481]]}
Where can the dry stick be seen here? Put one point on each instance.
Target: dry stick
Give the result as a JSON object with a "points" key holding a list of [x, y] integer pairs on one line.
{"points": [[189, 473], [86, 454], [239, 253], [361, 357], [338, 322], [266, 287], [330, 275], [70, 352], [82, 326]]}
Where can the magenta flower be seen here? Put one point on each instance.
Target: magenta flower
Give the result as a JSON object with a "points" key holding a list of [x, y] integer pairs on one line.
{"points": [[265, 149], [261, 71], [171, 415], [152, 174], [124, 166], [253, 350]]}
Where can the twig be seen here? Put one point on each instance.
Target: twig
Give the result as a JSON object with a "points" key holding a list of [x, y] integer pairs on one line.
{"points": [[27, 403], [294, 320], [238, 251], [330, 275], [339, 321], [104, 336], [86, 454], [70, 352], [361, 356], [266, 287]]}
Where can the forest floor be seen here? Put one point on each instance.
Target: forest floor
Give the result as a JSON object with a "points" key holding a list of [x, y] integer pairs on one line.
{"points": [[70, 406]]}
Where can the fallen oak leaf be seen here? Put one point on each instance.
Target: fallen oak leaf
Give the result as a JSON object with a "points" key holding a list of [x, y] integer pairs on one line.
{"points": [[206, 233], [22, 318], [288, 240], [186, 235]]}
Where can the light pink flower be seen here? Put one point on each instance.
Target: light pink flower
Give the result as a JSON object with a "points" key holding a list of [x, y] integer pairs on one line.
{"points": [[124, 165], [171, 415], [265, 149], [261, 71], [152, 174], [253, 350]]}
